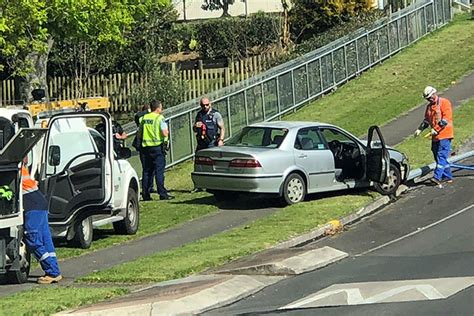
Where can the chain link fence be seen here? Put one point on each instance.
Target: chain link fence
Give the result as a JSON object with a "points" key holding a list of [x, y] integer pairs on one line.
{"points": [[283, 88]]}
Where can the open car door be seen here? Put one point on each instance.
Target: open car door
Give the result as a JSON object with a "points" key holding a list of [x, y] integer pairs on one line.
{"points": [[77, 174], [20, 144], [378, 158]]}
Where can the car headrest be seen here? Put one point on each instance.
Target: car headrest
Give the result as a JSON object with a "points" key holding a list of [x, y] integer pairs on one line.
{"points": [[306, 143], [278, 139]]}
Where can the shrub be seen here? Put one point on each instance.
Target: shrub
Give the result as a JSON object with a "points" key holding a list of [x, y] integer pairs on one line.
{"points": [[309, 17], [161, 85], [233, 37]]}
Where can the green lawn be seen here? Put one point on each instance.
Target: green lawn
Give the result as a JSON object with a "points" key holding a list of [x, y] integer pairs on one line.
{"points": [[378, 96]]}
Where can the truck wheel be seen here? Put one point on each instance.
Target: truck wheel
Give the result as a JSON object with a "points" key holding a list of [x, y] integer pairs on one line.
{"points": [[84, 232], [21, 276], [129, 225]]}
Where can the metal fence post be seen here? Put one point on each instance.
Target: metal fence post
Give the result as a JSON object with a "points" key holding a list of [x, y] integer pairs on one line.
{"points": [[246, 108], [357, 56], [229, 116], [191, 132], [293, 89], [333, 70], [170, 140], [321, 75], [263, 102], [308, 88], [278, 94]]}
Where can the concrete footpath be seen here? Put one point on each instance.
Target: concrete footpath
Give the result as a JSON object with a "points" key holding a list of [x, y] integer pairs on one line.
{"points": [[222, 286]]}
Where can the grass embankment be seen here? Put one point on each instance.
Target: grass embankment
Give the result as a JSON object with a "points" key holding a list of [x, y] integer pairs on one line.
{"points": [[378, 96]]}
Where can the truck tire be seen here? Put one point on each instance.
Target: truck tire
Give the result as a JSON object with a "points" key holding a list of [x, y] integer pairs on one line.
{"points": [[129, 225], [84, 232], [21, 276]]}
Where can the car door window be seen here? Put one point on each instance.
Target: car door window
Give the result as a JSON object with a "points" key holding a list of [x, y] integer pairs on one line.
{"points": [[73, 137], [346, 151], [309, 139]]}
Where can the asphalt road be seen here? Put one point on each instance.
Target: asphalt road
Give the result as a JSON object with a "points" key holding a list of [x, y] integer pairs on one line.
{"points": [[417, 247]]}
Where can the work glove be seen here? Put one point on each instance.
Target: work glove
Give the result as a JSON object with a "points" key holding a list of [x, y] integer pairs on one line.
{"points": [[417, 133], [434, 132]]}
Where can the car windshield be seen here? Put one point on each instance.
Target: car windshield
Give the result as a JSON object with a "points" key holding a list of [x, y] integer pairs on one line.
{"points": [[259, 137]]}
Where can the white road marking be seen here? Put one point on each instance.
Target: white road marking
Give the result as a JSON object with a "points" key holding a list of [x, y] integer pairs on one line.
{"points": [[384, 291], [416, 231]]}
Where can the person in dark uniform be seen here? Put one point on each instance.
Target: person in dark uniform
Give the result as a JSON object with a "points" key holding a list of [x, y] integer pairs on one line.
{"points": [[208, 126]]}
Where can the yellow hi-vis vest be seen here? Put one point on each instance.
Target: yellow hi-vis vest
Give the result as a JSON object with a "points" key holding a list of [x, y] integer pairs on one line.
{"points": [[151, 126]]}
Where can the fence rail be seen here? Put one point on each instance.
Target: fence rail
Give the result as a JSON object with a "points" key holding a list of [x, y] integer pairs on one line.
{"points": [[290, 85], [118, 87]]}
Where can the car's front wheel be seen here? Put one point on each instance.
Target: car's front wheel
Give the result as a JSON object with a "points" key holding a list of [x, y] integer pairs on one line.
{"points": [[294, 189], [129, 225], [392, 182]]}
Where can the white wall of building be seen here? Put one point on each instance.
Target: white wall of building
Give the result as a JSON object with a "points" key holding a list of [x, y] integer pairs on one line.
{"points": [[192, 9]]}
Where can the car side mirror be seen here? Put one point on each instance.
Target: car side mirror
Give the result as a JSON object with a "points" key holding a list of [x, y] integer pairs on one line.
{"points": [[54, 158], [124, 153]]}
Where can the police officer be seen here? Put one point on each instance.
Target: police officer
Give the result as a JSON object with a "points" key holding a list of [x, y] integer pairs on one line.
{"points": [[153, 135], [208, 126], [439, 116], [37, 234]]}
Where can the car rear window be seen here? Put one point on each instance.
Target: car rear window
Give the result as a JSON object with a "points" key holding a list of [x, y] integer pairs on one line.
{"points": [[259, 137]]}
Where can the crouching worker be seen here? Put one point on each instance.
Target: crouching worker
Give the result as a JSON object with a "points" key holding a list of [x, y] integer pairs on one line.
{"points": [[37, 234]]}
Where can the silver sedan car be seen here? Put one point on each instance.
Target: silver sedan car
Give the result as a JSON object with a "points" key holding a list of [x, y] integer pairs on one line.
{"points": [[292, 159]]}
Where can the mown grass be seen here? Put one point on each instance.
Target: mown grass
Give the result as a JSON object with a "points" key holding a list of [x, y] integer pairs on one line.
{"points": [[378, 96], [46, 301]]}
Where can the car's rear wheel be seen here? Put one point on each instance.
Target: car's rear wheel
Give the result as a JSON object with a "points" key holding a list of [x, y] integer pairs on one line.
{"points": [[392, 182], [84, 232], [294, 189], [129, 225]]}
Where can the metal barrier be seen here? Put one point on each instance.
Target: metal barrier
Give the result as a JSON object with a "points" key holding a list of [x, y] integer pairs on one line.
{"points": [[290, 85], [423, 171]]}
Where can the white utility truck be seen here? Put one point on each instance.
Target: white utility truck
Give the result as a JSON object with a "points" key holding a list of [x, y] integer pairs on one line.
{"points": [[86, 182]]}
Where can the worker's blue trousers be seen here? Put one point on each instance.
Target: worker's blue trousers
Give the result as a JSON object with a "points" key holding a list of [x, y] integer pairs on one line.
{"points": [[441, 151], [39, 241]]}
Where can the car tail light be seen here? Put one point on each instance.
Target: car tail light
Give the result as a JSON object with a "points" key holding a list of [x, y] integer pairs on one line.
{"points": [[203, 161], [245, 163]]}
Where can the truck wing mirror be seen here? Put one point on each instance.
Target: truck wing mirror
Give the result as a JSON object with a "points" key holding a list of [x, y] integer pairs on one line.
{"points": [[54, 158], [124, 153]]}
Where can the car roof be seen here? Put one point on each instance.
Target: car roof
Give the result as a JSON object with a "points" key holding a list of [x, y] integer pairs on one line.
{"points": [[289, 124]]}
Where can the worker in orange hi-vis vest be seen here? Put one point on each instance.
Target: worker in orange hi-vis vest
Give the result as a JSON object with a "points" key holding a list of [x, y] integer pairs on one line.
{"points": [[439, 116], [37, 234]]}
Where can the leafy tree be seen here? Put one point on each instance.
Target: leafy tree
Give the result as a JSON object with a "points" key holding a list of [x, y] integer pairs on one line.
{"points": [[30, 28], [309, 17], [213, 5]]}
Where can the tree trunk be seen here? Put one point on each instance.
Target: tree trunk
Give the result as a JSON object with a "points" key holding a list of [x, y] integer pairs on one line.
{"points": [[37, 78], [225, 7]]}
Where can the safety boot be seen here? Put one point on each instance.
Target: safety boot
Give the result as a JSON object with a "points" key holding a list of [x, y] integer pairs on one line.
{"points": [[47, 279]]}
